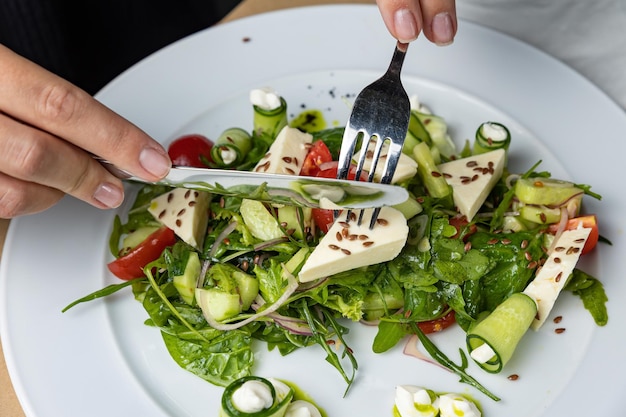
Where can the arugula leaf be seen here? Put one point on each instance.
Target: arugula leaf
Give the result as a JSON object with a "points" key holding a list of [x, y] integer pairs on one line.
{"points": [[443, 360], [104, 292]]}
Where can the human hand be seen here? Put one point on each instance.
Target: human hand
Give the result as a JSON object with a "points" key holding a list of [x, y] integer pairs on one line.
{"points": [[48, 128], [406, 18]]}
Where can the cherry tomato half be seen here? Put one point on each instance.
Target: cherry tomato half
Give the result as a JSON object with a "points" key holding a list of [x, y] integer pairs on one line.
{"points": [[131, 265], [589, 221], [329, 170], [437, 325], [325, 218], [191, 151], [318, 155]]}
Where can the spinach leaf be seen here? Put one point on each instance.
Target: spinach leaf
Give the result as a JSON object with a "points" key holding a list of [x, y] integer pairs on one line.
{"points": [[591, 292], [221, 361]]}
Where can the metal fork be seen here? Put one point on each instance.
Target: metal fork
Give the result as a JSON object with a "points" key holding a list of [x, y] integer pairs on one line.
{"points": [[379, 120]]}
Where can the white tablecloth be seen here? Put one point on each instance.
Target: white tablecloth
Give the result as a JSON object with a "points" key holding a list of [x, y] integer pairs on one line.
{"points": [[587, 35]]}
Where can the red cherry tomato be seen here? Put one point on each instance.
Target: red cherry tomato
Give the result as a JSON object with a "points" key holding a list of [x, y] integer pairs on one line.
{"points": [[329, 170], [318, 155], [437, 325], [459, 223], [323, 219], [131, 265], [589, 221], [191, 151]]}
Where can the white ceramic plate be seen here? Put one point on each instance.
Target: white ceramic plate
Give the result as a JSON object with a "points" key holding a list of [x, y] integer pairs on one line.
{"points": [[100, 360]]}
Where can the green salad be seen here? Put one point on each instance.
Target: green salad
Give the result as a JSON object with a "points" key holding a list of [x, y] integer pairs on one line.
{"points": [[477, 246]]}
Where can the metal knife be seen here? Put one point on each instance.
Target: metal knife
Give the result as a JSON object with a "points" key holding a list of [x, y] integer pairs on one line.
{"points": [[313, 192]]}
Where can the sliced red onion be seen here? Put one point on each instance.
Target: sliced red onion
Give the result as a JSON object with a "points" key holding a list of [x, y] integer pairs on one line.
{"points": [[410, 349]]}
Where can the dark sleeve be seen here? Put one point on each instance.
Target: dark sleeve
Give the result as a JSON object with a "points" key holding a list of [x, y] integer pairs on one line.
{"points": [[89, 42]]}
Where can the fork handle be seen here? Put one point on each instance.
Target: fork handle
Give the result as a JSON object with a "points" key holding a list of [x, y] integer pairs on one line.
{"points": [[398, 59]]}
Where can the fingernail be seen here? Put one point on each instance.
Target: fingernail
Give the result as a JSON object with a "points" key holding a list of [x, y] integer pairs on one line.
{"points": [[442, 29], [154, 162], [405, 26], [109, 195]]}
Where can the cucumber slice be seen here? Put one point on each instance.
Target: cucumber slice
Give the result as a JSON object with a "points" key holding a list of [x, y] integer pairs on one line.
{"points": [[185, 284], [278, 408], [491, 136], [270, 122], [501, 331], [136, 237], [546, 191], [231, 147], [434, 181], [220, 304]]}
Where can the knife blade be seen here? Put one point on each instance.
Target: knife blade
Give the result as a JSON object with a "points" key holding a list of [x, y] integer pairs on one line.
{"points": [[328, 193]]}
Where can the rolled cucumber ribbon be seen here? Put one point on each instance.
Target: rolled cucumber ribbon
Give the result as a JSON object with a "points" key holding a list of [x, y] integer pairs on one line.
{"points": [[253, 396], [269, 122], [491, 136], [231, 147], [493, 340]]}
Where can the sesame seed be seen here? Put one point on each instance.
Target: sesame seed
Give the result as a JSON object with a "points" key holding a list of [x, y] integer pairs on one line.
{"points": [[287, 159], [290, 171], [513, 377], [557, 319], [382, 222], [346, 252], [368, 243], [338, 236], [435, 174], [333, 247], [470, 164], [559, 330]]}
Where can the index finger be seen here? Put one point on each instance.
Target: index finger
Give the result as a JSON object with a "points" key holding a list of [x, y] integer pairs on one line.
{"points": [[41, 99]]}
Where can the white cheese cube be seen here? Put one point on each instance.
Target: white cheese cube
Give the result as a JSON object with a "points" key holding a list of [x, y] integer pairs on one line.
{"points": [[472, 179], [287, 153], [553, 275], [406, 168], [348, 245], [185, 212]]}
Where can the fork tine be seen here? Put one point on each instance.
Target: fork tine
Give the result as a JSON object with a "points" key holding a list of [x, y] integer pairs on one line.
{"points": [[380, 117]]}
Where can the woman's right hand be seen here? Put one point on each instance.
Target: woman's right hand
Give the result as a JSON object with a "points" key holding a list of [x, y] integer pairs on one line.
{"points": [[405, 19], [49, 129]]}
